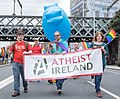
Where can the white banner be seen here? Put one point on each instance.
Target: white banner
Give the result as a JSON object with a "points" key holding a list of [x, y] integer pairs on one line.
{"points": [[85, 63]]}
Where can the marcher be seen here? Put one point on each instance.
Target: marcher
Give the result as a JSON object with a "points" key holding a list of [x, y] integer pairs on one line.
{"points": [[57, 49], [50, 47], [86, 47], [99, 42], [6, 58], [36, 48], [92, 79], [114, 61], [19, 48], [76, 48]]}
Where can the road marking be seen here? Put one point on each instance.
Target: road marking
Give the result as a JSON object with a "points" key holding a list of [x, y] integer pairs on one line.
{"points": [[106, 91], [6, 82]]}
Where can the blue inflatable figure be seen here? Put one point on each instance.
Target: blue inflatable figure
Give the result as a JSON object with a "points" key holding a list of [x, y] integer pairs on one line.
{"points": [[55, 19]]}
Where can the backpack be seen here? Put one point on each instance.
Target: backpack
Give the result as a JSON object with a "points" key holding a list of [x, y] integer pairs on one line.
{"points": [[26, 45]]}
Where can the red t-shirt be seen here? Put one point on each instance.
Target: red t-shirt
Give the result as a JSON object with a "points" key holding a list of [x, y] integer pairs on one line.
{"points": [[18, 50], [36, 49]]}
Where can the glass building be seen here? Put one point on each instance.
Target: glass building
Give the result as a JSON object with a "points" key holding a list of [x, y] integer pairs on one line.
{"points": [[93, 8]]}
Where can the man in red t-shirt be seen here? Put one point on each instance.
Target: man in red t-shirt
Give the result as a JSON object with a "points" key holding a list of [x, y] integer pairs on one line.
{"points": [[19, 48]]}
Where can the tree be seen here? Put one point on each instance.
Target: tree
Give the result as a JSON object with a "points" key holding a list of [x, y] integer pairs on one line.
{"points": [[115, 24]]}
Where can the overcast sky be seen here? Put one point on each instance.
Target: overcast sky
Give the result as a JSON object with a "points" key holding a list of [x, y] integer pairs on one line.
{"points": [[31, 7]]}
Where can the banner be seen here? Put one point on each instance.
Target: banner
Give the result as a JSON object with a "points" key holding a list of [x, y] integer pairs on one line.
{"points": [[81, 63]]}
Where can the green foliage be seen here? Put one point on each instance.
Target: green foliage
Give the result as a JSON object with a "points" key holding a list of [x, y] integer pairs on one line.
{"points": [[115, 22]]}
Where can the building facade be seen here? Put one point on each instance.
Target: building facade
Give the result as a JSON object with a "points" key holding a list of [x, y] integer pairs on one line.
{"points": [[98, 8], [93, 8]]}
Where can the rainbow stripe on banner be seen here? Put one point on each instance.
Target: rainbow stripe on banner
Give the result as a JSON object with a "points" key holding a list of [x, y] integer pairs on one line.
{"points": [[111, 35], [86, 45]]}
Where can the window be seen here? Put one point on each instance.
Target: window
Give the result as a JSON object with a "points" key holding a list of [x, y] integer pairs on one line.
{"points": [[96, 13], [105, 15]]}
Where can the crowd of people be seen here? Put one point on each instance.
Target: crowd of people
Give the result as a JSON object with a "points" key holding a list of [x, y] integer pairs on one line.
{"points": [[21, 48]]}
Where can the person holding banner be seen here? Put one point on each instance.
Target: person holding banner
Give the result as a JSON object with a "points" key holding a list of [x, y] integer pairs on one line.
{"points": [[76, 48], [59, 46], [50, 47], [36, 48], [19, 48], [99, 43]]}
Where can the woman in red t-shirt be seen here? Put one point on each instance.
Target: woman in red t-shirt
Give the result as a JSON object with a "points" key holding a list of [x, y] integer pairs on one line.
{"points": [[36, 49]]}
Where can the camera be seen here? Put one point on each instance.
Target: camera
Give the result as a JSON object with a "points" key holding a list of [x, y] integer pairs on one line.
{"points": [[50, 45]]}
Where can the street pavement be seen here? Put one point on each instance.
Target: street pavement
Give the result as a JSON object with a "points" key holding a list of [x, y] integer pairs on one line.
{"points": [[81, 88], [113, 67]]}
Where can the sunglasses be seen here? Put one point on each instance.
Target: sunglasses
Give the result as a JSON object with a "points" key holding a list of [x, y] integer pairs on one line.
{"points": [[56, 35]]}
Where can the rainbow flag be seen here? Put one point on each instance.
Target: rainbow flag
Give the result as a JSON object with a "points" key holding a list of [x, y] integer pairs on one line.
{"points": [[3, 51], [111, 35], [43, 50], [86, 45]]}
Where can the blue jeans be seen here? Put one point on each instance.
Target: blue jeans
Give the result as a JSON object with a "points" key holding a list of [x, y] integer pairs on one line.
{"points": [[17, 71], [97, 82], [98, 79], [59, 83]]}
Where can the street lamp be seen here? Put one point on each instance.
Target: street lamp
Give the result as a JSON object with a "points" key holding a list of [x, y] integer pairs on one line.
{"points": [[84, 8], [93, 17], [84, 11], [20, 6], [14, 7]]}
